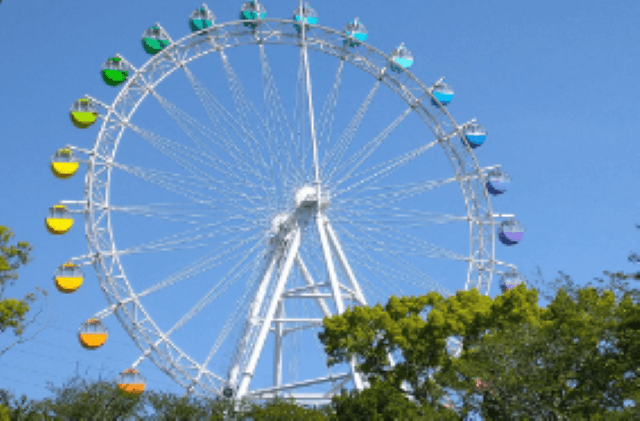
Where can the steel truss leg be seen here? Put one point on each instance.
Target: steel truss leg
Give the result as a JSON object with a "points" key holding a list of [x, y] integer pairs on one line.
{"points": [[308, 279], [247, 374], [251, 318], [337, 295], [352, 279], [277, 362], [331, 249]]}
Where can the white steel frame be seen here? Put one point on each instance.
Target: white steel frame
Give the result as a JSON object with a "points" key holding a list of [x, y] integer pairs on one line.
{"points": [[282, 255]]}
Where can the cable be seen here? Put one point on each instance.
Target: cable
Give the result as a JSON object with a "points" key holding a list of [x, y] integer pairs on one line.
{"points": [[23, 382]]}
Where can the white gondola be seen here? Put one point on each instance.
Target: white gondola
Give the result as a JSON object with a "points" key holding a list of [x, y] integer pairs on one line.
{"points": [[498, 182], [511, 280]]}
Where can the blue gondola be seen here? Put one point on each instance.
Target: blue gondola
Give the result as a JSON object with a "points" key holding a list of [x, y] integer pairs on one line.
{"points": [[201, 18], [498, 182], [510, 232], [251, 12], [356, 33], [443, 93], [307, 14], [511, 280], [401, 58], [474, 135]]}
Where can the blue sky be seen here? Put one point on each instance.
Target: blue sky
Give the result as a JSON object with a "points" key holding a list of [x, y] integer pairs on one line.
{"points": [[555, 83]]}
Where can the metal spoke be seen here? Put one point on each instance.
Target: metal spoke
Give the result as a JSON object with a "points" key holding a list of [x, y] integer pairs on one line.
{"points": [[219, 114], [185, 185], [329, 110], [216, 290], [387, 168], [300, 117], [389, 194], [359, 157], [277, 122], [339, 148], [186, 157], [224, 252], [403, 241], [243, 107], [188, 124], [182, 240], [309, 96], [403, 217], [180, 212], [412, 278], [236, 315]]}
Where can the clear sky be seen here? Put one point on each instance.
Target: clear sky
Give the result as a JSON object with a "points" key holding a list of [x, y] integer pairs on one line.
{"points": [[555, 83]]}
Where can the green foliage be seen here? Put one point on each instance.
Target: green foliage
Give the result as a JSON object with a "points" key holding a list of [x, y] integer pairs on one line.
{"points": [[174, 407], [16, 409], [576, 358], [382, 401], [169, 406], [79, 398], [372, 333], [284, 410], [11, 257], [82, 399], [13, 311], [569, 362]]}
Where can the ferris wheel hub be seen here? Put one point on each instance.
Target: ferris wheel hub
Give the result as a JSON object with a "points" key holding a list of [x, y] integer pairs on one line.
{"points": [[307, 197], [279, 222]]}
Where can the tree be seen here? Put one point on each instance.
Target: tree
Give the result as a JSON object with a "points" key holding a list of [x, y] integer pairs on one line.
{"points": [[16, 409], [279, 409], [578, 357], [623, 343], [170, 406], [13, 311], [635, 257], [80, 398], [580, 360], [382, 401], [371, 333]]}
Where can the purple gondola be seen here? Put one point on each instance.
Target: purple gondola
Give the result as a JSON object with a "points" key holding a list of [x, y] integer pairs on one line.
{"points": [[511, 232]]}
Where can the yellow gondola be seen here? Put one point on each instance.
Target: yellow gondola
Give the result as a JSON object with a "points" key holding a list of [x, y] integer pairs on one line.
{"points": [[83, 113], [68, 278], [59, 221], [64, 163], [131, 382], [92, 334]]}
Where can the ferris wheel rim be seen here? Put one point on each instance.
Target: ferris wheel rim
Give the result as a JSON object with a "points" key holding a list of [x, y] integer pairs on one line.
{"points": [[90, 179]]}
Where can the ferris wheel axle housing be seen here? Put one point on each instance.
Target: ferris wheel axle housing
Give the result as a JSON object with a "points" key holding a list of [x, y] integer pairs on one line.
{"points": [[306, 202]]}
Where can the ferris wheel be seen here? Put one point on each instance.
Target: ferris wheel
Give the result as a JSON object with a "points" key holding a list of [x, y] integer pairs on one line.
{"points": [[230, 203]]}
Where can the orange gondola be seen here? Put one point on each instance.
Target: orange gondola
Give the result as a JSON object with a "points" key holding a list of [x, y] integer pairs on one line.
{"points": [[131, 382], [92, 334]]}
